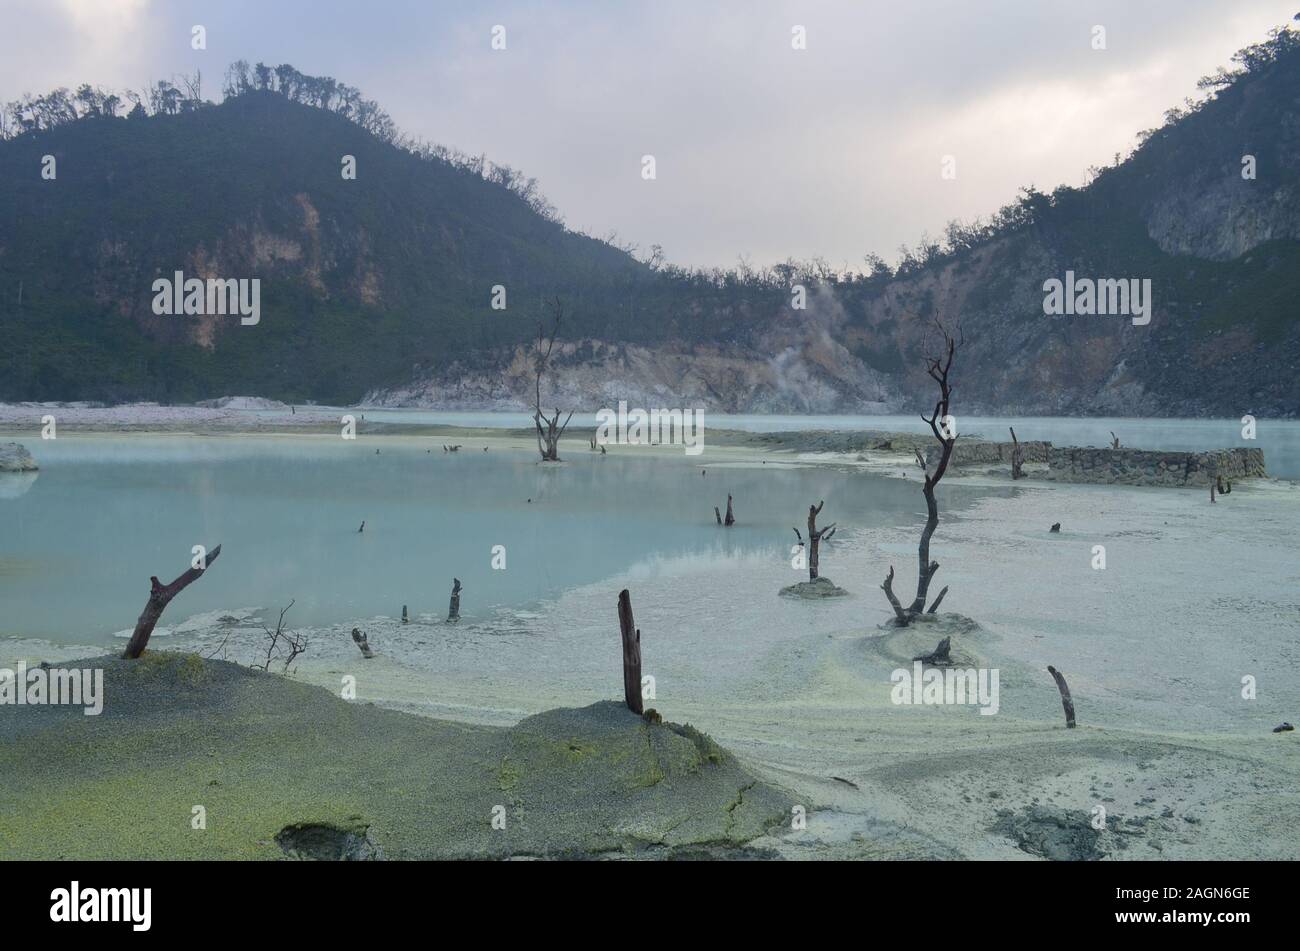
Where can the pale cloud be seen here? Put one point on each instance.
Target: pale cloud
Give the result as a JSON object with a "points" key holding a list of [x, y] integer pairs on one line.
{"points": [[762, 151]]}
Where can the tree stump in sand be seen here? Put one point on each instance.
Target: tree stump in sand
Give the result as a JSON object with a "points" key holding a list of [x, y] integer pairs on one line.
{"points": [[453, 609], [940, 656], [362, 644], [631, 653], [1066, 700]]}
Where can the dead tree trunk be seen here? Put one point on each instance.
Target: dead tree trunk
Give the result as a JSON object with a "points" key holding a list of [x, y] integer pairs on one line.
{"points": [[362, 644], [1017, 456], [160, 596], [453, 610], [938, 368], [730, 519], [548, 437], [1066, 700], [815, 537], [1114, 441], [631, 653]]}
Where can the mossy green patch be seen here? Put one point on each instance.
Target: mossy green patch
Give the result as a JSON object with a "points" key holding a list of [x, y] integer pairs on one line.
{"points": [[207, 760]]}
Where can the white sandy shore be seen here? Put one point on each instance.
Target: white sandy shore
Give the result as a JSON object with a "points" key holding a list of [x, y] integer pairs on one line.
{"points": [[1194, 597]]}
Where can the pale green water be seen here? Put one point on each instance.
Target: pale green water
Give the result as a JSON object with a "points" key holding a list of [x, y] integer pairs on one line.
{"points": [[1279, 438], [77, 547]]}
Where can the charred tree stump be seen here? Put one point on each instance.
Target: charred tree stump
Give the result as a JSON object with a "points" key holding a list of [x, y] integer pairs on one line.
{"points": [[940, 656], [453, 610], [362, 644], [631, 653], [730, 519], [1017, 456], [160, 596], [717, 514], [815, 537], [1066, 700], [405, 617]]}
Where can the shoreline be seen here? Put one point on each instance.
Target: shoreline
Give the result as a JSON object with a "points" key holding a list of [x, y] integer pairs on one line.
{"points": [[1188, 770]]}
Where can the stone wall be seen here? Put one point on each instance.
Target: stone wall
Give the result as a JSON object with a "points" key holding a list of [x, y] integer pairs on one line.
{"points": [[970, 452], [1146, 467]]}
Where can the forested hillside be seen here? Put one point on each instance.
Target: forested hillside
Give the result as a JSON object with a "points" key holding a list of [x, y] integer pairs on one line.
{"points": [[381, 285]]}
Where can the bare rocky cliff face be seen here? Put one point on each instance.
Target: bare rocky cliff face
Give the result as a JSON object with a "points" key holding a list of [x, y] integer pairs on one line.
{"points": [[802, 376]]}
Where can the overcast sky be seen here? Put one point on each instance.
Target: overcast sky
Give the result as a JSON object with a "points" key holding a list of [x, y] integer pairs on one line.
{"points": [[761, 150]]}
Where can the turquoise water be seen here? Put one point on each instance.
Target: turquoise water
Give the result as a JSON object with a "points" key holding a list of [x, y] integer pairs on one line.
{"points": [[77, 547], [1280, 439]]}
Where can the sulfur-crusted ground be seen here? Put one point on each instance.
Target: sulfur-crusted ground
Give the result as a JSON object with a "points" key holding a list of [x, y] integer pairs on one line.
{"points": [[285, 769]]}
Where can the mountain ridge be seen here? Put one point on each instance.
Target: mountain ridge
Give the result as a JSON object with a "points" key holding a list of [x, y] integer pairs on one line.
{"points": [[378, 289]]}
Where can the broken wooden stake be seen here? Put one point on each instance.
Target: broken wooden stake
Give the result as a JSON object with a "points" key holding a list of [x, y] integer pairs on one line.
{"points": [[631, 653], [937, 601], [1017, 456], [362, 643], [159, 597], [453, 610], [730, 519], [888, 588], [405, 618], [1066, 700], [717, 514]]}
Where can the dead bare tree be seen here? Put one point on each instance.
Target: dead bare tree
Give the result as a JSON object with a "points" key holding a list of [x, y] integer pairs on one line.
{"points": [[815, 538], [939, 368], [282, 643], [1114, 441], [631, 653], [548, 438], [1017, 456], [160, 596]]}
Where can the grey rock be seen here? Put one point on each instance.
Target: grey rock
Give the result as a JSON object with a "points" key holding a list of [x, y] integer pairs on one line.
{"points": [[14, 457]]}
